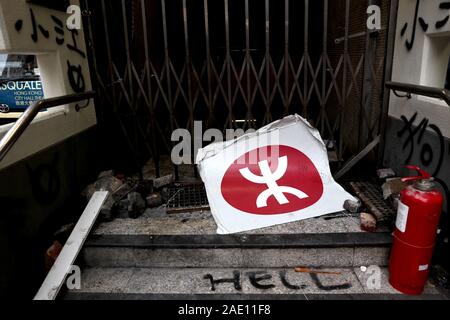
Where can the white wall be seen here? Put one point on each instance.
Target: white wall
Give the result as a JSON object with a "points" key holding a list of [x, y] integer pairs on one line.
{"points": [[61, 123], [425, 63]]}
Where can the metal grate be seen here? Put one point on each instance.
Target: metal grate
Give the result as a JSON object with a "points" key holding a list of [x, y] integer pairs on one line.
{"points": [[185, 198], [372, 197], [165, 64]]}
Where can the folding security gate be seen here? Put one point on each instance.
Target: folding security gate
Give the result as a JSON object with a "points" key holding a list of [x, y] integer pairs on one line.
{"points": [[160, 65]]}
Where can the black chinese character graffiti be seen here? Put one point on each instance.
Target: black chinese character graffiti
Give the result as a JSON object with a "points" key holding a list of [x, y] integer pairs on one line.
{"points": [[423, 24], [36, 26], [76, 78], [59, 29], [74, 71], [74, 46], [441, 23], [427, 154]]}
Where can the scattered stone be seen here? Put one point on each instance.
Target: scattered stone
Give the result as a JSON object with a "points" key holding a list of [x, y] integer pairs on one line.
{"points": [[154, 200], [105, 183], [353, 206], [165, 194], [385, 173], [363, 268], [121, 209], [392, 186], [136, 205], [148, 170], [163, 181], [122, 192], [145, 186], [368, 222], [107, 210]]}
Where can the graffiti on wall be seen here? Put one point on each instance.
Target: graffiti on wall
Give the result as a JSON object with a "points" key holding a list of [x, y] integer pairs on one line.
{"points": [[38, 30], [412, 135], [424, 25]]}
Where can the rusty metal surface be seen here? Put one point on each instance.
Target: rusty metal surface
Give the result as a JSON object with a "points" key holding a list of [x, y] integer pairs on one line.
{"points": [[372, 197], [187, 197]]}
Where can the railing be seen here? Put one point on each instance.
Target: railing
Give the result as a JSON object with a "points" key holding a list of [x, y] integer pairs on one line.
{"points": [[419, 90], [10, 138]]}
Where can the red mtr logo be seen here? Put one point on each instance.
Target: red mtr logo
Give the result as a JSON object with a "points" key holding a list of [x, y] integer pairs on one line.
{"points": [[272, 180]]}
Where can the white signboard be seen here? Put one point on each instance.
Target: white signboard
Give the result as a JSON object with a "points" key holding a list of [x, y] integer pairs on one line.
{"points": [[275, 175]]}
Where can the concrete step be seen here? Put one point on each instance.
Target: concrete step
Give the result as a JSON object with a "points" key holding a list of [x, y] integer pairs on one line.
{"points": [[232, 283], [181, 241], [331, 250]]}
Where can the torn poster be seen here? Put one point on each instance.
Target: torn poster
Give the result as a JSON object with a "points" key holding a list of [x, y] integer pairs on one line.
{"points": [[275, 175]]}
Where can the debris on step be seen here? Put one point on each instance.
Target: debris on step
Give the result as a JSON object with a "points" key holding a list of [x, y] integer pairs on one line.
{"points": [[308, 270], [121, 209], [371, 197], [129, 195], [368, 222], [52, 254], [392, 187], [394, 200], [385, 173], [109, 207], [106, 211], [353, 206], [163, 181], [165, 194], [105, 182], [391, 190], [154, 200], [136, 205], [145, 186]]}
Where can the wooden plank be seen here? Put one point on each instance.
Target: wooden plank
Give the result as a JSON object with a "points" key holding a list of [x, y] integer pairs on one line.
{"points": [[55, 278]]}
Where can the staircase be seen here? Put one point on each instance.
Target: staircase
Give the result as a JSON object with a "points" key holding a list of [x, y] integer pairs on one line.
{"points": [[180, 256]]}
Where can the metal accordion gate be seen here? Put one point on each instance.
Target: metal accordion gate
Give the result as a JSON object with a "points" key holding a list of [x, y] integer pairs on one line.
{"points": [[159, 65]]}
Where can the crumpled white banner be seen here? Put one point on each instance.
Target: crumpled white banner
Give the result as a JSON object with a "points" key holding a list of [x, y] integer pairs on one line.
{"points": [[275, 175]]}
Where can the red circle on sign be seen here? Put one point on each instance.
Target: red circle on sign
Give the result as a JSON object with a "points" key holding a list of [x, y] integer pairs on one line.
{"points": [[297, 188]]}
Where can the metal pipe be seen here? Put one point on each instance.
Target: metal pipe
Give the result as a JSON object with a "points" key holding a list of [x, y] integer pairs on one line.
{"points": [[390, 45], [420, 90], [11, 137]]}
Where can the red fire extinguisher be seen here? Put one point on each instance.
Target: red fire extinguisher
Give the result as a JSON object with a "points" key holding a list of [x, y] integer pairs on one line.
{"points": [[418, 214]]}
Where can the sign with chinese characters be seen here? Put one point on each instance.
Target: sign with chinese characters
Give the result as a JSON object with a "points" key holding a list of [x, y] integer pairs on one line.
{"points": [[62, 59], [276, 175], [19, 95]]}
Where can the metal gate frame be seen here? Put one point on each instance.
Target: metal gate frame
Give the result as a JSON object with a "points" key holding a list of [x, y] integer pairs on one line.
{"points": [[136, 87]]}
